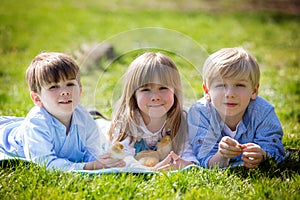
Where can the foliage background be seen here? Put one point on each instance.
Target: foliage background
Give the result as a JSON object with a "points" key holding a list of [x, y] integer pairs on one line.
{"points": [[268, 29]]}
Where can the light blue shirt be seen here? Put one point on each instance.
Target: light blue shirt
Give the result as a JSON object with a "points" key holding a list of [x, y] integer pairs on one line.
{"points": [[260, 125], [41, 138]]}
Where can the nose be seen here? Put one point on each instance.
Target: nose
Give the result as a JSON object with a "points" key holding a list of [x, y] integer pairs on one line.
{"points": [[155, 96], [229, 92], [65, 92]]}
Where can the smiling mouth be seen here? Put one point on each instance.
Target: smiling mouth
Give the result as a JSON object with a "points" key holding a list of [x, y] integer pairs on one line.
{"points": [[155, 106], [66, 102], [230, 104]]}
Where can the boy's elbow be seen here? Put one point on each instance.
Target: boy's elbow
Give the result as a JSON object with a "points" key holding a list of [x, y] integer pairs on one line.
{"points": [[278, 155]]}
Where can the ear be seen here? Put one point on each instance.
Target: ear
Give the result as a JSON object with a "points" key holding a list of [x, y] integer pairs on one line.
{"points": [[206, 92], [35, 97], [255, 92], [80, 92]]}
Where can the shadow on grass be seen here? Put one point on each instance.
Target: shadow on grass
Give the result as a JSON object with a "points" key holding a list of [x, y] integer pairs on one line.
{"points": [[269, 168], [13, 163]]}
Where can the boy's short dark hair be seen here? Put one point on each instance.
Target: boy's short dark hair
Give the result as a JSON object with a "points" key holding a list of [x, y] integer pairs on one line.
{"points": [[49, 67]]}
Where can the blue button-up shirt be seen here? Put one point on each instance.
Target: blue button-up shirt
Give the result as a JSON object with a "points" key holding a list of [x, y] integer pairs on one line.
{"points": [[41, 138], [259, 125]]}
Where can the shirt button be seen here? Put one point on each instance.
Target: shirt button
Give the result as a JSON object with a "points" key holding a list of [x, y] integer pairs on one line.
{"points": [[274, 140], [200, 141]]}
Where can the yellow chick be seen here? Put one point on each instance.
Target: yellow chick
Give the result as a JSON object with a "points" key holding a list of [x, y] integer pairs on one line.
{"points": [[148, 158], [164, 147], [117, 151]]}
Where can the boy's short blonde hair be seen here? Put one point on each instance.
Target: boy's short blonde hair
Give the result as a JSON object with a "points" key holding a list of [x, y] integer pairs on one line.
{"points": [[231, 63], [51, 67]]}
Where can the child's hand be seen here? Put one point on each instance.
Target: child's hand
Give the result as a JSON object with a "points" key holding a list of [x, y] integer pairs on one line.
{"points": [[253, 155], [229, 147], [108, 161], [172, 162], [104, 161]]}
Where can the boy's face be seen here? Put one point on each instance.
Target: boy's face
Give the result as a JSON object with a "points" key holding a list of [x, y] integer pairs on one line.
{"points": [[231, 97], [59, 99]]}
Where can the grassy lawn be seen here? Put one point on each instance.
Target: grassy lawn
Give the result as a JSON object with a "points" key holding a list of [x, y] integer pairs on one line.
{"points": [[187, 31]]}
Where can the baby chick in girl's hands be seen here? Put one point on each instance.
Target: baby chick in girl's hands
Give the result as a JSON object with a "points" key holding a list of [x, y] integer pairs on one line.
{"points": [[150, 158], [117, 151], [164, 147]]}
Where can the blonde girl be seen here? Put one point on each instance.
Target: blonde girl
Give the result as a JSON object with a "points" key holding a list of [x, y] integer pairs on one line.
{"points": [[150, 108]]}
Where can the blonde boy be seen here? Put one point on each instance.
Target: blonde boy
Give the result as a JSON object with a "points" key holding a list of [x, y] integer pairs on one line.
{"points": [[232, 125]]}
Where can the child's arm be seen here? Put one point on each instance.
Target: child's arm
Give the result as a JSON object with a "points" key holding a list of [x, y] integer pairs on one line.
{"points": [[266, 130], [198, 128], [40, 147], [44, 142]]}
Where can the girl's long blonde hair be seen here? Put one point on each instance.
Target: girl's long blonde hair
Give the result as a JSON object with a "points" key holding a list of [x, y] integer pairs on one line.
{"points": [[149, 68]]}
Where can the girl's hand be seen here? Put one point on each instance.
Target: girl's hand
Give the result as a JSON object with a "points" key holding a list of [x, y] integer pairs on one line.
{"points": [[253, 155], [172, 162], [229, 148], [104, 161]]}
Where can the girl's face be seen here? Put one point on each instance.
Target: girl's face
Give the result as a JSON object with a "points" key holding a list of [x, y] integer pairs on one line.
{"points": [[60, 99], [154, 101], [231, 97]]}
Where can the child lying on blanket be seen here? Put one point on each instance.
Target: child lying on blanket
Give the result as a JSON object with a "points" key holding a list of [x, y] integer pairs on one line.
{"points": [[151, 108], [57, 132], [232, 125]]}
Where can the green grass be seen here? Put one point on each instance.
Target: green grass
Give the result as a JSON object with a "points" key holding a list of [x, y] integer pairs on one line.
{"points": [[189, 34], [27, 181]]}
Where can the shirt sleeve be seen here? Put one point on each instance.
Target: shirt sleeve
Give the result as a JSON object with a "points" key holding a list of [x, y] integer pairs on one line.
{"points": [[90, 137], [188, 154], [269, 133], [203, 140], [39, 146]]}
